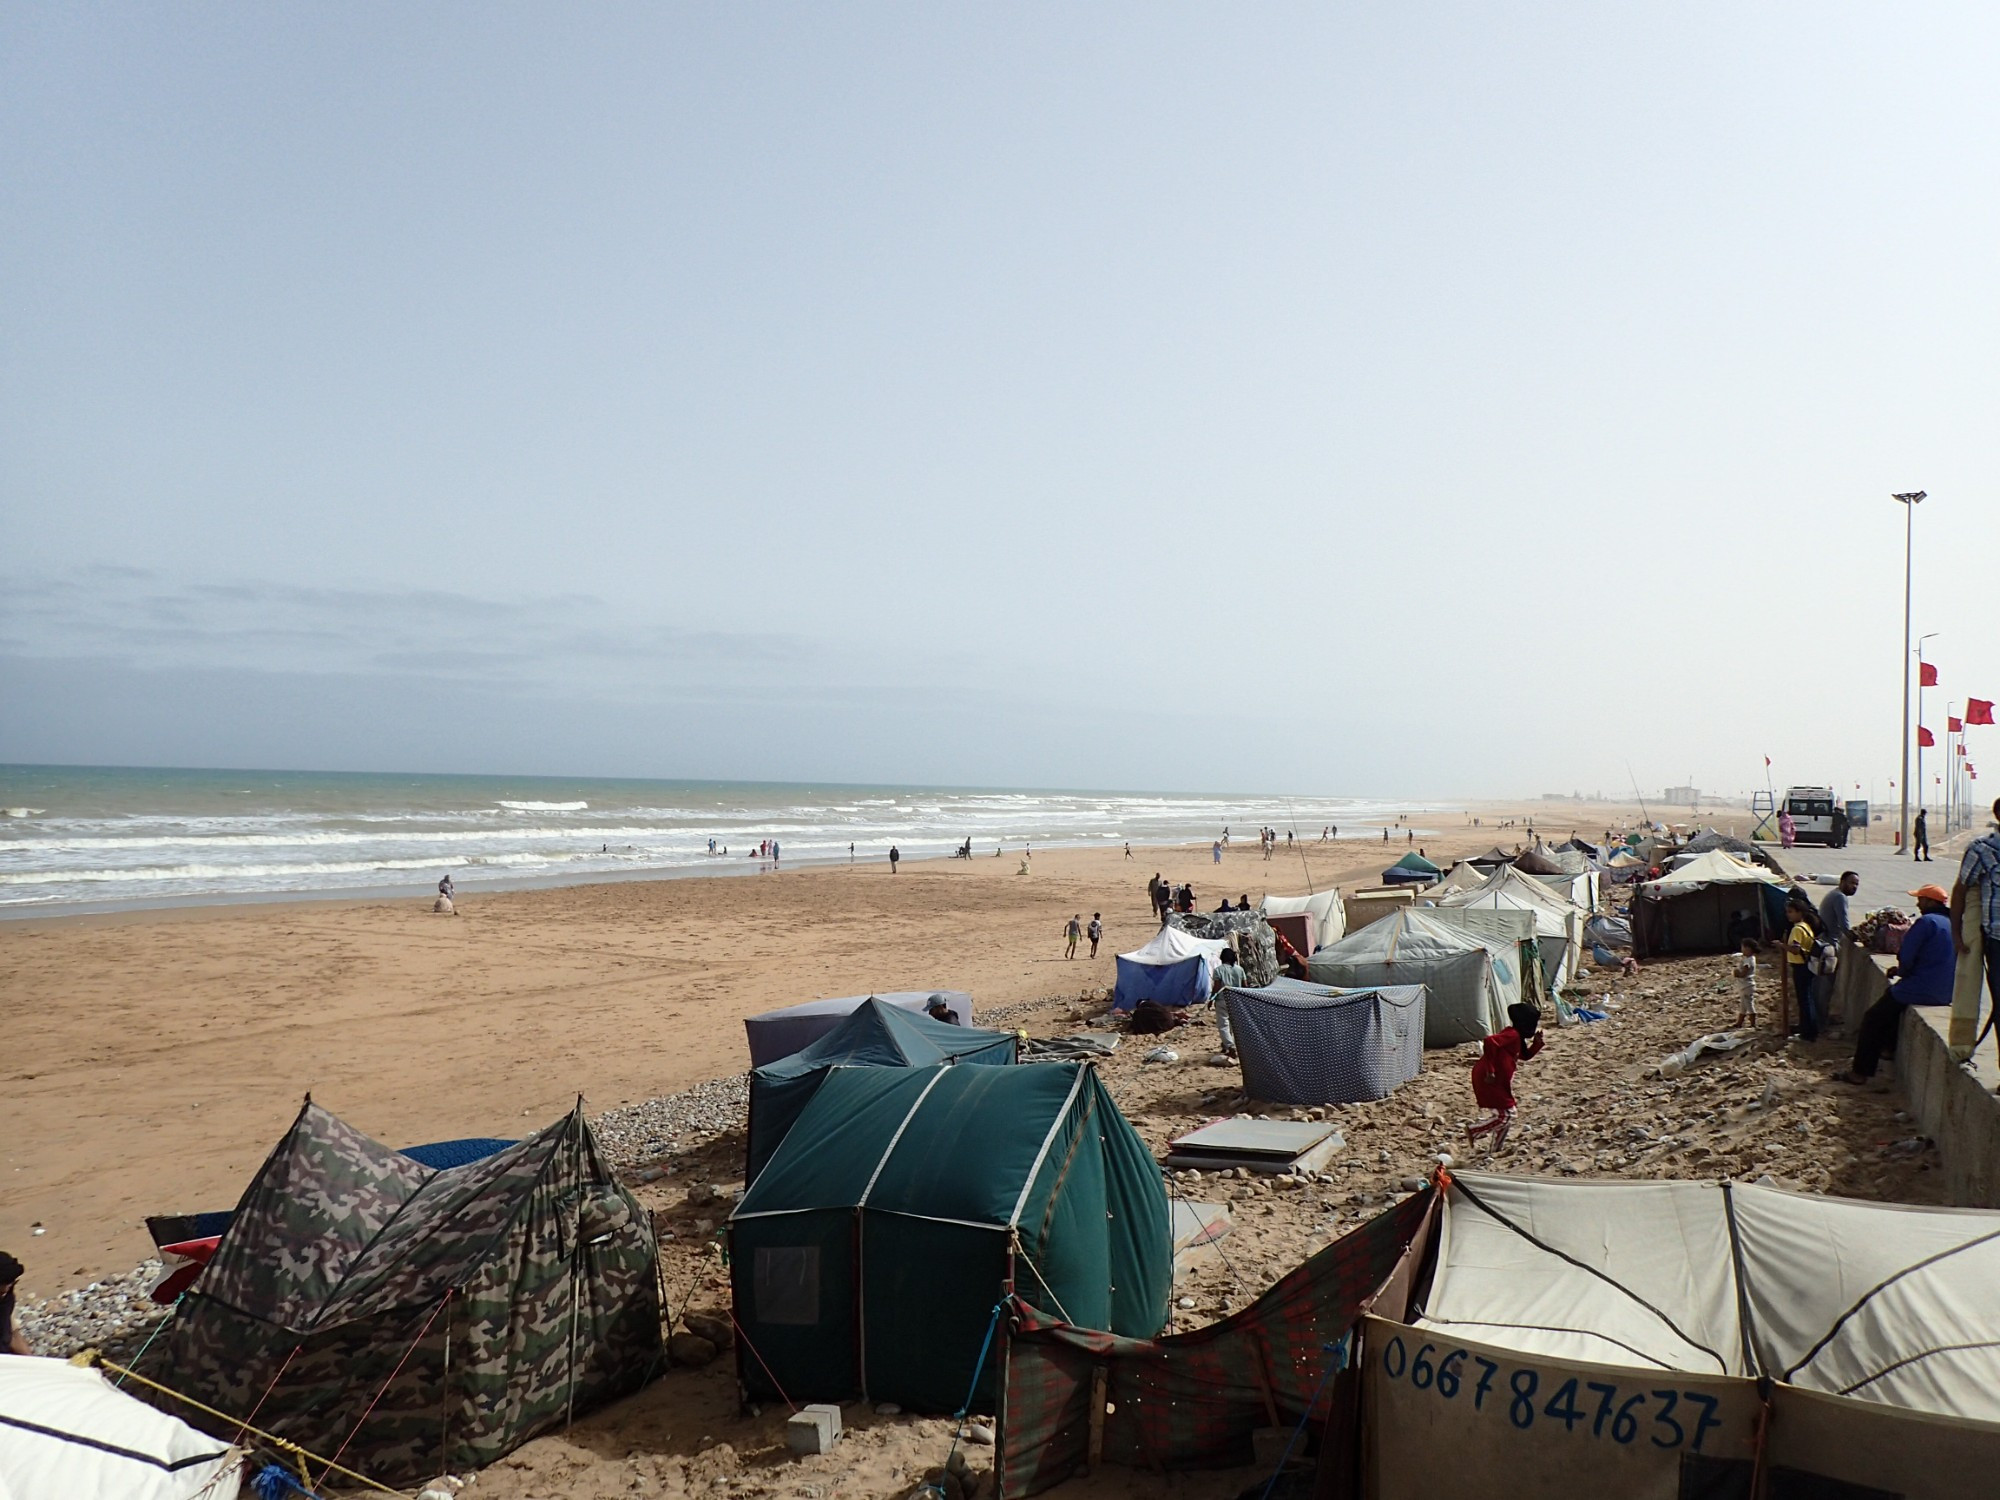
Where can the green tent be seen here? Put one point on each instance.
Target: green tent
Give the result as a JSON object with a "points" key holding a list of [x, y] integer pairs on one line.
{"points": [[416, 1320], [868, 1256], [1418, 863], [873, 1035]]}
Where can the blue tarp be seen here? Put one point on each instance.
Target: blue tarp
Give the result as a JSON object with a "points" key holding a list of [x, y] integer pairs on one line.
{"points": [[1183, 983]]}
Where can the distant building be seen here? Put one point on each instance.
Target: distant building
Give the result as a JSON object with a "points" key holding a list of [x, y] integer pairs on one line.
{"points": [[1677, 795]]}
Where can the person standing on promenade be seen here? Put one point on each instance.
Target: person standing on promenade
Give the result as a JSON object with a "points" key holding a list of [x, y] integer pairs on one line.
{"points": [[895, 855], [1979, 881], [1920, 839], [1073, 931]]}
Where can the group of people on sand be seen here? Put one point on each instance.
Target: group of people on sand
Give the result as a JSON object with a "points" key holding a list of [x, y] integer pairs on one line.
{"points": [[1074, 931]]}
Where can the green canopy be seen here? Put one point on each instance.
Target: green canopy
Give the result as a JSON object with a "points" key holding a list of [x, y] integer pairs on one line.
{"points": [[1418, 863], [873, 1035], [868, 1256]]}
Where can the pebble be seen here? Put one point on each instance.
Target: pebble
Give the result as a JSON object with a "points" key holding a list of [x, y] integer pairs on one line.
{"points": [[979, 1432], [636, 1133]]}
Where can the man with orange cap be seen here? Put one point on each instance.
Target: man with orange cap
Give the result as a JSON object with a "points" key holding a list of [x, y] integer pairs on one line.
{"points": [[1926, 964]]}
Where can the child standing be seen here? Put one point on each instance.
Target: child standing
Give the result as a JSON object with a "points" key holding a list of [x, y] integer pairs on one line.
{"points": [[1746, 979], [1493, 1074]]}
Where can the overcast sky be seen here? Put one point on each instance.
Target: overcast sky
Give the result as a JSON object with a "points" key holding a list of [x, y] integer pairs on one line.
{"points": [[1450, 400]]}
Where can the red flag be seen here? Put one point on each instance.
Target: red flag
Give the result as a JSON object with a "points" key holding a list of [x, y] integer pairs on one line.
{"points": [[1926, 674], [1924, 738], [1767, 762], [1979, 710], [1953, 726]]}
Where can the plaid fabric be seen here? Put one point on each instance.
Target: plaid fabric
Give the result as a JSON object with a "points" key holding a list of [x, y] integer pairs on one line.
{"points": [[1980, 870], [1309, 1044], [1189, 1400]]}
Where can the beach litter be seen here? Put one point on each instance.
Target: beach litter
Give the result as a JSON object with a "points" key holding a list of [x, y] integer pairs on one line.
{"points": [[1714, 1043], [1162, 1055]]}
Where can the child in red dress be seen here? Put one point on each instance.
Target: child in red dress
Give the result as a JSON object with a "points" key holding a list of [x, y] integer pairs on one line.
{"points": [[1493, 1074]]}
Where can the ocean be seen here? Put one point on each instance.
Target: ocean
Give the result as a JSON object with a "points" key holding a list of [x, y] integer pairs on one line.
{"points": [[103, 838]]}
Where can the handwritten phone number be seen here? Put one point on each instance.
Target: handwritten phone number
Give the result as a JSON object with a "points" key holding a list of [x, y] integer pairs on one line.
{"points": [[1620, 1415]]}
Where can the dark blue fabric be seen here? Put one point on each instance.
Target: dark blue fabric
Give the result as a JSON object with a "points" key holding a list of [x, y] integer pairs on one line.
{"points": [[1928, 960], [442, 1154], [1167, 984]]}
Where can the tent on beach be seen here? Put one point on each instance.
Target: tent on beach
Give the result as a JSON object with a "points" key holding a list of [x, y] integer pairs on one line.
{"points": [[1324, 907], [780, 1033], [416, 1319], [1411, 869], [1709, 841], [1313, 1044], [1463, 876], [876, 1035], [1676, 1338], [1173, 969], [867, 1259], [1558, 921], [1708, 905], [1469, 981]]}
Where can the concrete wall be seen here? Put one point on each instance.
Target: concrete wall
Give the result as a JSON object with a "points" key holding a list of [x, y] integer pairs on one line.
{"points": [[1953, 1106]]}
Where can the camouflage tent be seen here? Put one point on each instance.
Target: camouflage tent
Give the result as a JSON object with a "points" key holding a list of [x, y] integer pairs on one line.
{"points": [[412, 1320]]}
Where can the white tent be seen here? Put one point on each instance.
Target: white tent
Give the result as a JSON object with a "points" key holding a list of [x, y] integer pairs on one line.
{"points": [[1471, 980], [1497, 927], [1619, 1327], [1559, 921], [67, 1433], [1463, 876], [1329, 916], [1713, 868]]}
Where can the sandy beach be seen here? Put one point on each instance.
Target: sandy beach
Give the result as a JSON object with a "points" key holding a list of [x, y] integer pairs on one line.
{"points": [[154, 1057]]}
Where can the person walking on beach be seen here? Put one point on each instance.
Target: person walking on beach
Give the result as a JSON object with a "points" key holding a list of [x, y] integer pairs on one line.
{"points": [[1920, 839], [1096, 931], [1493, 1075], [1926, 966], [895, 855], [1128, 851], [1979, 883], [1073, 931], [1215, 852], [11, 1340]]}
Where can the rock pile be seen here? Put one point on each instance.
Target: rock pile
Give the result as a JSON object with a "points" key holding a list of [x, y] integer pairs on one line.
{"points": [[636, 1133]]}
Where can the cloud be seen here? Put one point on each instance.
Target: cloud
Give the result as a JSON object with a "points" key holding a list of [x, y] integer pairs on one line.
{"points": [[137, 619]]}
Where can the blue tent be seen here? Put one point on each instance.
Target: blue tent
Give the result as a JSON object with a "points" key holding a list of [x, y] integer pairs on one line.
{"points": [[1173, 969], [875, 1035]]}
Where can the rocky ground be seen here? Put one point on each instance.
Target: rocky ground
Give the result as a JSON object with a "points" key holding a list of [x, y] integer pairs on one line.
{"points": [[1594, 1104]]}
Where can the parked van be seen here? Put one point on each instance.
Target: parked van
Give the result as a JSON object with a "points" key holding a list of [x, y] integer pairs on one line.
{"points": [[1816, 817]]}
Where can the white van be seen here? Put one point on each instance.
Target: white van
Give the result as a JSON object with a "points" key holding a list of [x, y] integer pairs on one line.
{"points": [[1813, 821]]}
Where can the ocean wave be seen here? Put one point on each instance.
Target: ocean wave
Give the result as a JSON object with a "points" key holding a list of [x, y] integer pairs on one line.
{"points": [[544, 806], [22, 812], [158, 873]]}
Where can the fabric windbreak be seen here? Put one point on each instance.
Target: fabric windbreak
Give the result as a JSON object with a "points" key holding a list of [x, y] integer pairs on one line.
{"points": [[1632, 1273], [1886, 1303], [1313, 1044]]}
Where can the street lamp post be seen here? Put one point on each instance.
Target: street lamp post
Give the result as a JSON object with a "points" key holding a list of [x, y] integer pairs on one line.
{"points": [[1910, 499], [1920, 718]]}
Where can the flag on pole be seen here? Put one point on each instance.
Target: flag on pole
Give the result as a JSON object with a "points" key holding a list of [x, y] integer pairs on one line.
{"points": [[1979, 710], [1927, 674], [1953, 726], [1925, 739]]}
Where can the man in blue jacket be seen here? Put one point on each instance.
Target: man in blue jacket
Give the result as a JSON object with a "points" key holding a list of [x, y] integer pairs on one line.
{"points": [[1926, 964]]}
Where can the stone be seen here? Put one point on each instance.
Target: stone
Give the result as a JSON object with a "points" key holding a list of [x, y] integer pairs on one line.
{"points": [[716, 1330], [691, 1350], [888, 1409], [980, 1433], [813, 1429]]}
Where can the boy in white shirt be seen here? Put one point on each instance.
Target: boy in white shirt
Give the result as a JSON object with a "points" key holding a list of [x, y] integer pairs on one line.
{"points": [[1746, 976]]}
